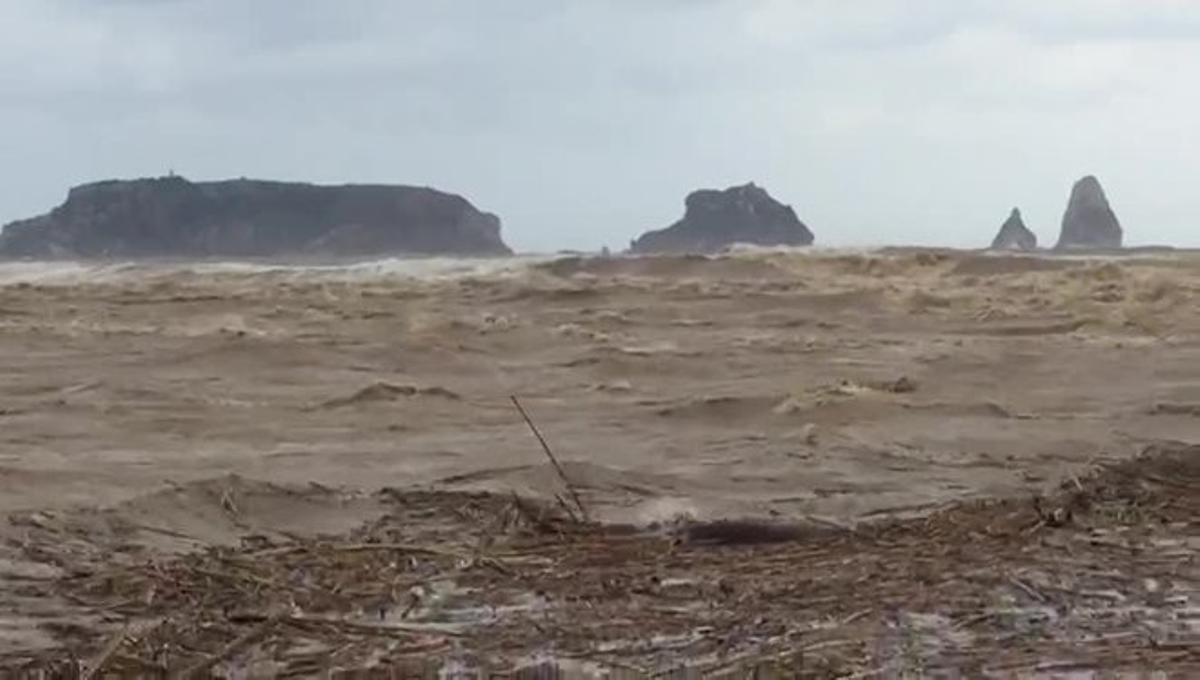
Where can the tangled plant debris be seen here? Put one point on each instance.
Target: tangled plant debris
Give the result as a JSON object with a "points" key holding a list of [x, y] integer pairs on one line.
{"points": [[1101, 574]]}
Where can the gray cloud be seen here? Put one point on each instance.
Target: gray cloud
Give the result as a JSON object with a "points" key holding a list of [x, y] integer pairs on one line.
{"points": [[584, 123]]}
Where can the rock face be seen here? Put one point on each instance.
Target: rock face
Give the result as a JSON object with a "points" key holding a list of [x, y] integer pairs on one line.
{"points": [[172, 217], [1089, 222], [714, 220], [1014, 235]]}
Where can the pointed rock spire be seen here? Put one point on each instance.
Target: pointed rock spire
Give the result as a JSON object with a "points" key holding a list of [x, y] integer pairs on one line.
{"points": [[1089, 221], [1014, 235]]}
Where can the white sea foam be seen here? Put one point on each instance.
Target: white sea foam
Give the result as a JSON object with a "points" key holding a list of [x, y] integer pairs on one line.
{"points": [[434, 268], [419, 268]]}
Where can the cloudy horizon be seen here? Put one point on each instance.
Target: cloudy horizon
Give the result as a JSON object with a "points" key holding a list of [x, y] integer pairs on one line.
{"points": [[583, 124]]}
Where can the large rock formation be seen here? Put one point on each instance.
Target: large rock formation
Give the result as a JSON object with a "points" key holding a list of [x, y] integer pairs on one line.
{"points": [[172, 217], [1014, 235], [1089, 222], [714, 220]]}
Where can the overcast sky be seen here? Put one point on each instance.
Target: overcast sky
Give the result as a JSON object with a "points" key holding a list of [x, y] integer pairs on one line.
{"points": [[585, 122]]}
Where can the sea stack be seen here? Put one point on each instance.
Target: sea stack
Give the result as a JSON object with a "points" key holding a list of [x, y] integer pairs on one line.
{"points": [[1014, 235], [1089, 222], [714, 220], [173, 217]]}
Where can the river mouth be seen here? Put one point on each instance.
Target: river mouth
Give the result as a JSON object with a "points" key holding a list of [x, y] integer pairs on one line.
{"points": [[824, 456]]}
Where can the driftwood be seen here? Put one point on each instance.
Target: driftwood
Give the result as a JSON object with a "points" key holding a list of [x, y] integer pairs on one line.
{"points": [[240, 643], [553, 460]]}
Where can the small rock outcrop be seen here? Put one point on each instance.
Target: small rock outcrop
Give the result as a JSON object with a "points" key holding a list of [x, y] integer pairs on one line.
{"points": [[714, 220], [172, 217], [1014, 235], [1089, 221]]}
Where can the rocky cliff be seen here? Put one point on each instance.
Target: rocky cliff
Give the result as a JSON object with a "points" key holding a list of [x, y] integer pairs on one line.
{"points": [[1014, 235], [1089, 221], [715, 219], [172, 217]]}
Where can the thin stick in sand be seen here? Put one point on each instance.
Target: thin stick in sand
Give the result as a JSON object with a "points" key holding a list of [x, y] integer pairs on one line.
{"points": [[550, 454]]}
